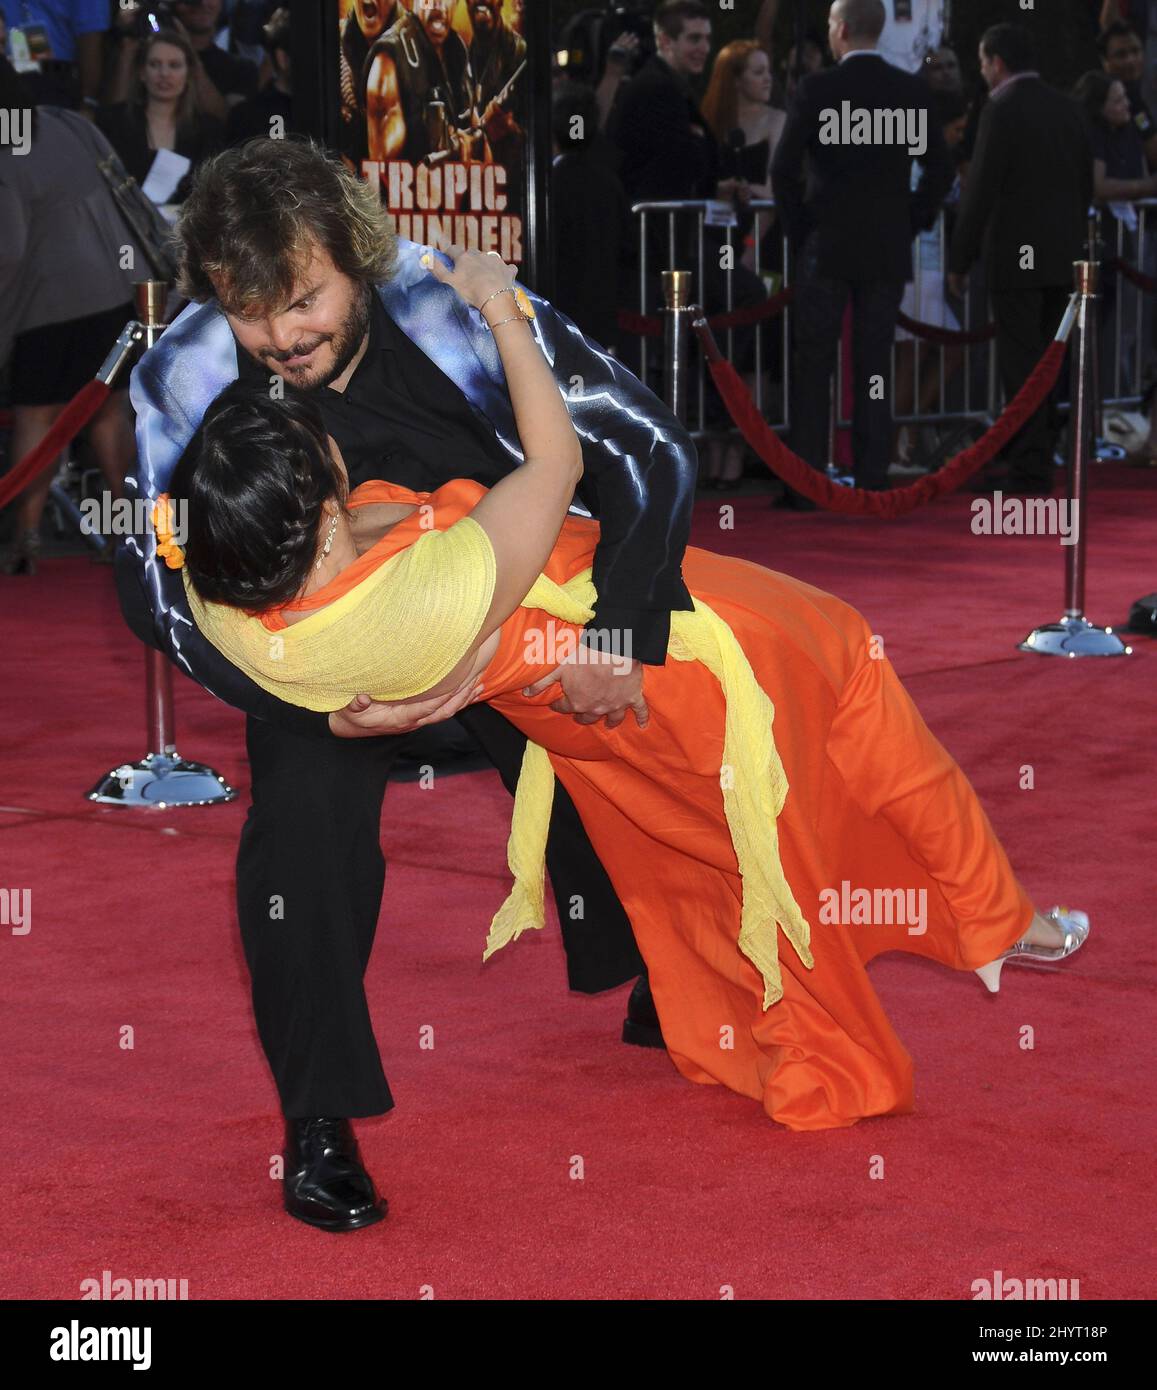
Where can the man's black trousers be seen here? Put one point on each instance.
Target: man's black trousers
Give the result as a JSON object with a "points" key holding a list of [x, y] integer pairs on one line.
{"points": [[818, 305], [1026, 322], [310, 874]]}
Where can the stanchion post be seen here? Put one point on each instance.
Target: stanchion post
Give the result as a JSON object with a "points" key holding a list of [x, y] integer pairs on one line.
{"points": [[1075, 635], [676, 314], [162, 778], [1093, 259]]}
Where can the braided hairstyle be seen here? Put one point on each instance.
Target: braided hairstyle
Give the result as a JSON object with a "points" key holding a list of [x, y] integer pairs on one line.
{"points": [[254, 478]]}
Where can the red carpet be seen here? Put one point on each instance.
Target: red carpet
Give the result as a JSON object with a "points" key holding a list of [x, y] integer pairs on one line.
{"points": [[154, 1161]]}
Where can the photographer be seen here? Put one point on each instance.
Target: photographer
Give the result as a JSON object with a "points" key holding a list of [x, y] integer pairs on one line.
{"points": [[624, 57]]}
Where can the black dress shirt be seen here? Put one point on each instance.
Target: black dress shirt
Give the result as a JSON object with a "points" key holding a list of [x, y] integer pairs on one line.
{"points": [[400, 417]]}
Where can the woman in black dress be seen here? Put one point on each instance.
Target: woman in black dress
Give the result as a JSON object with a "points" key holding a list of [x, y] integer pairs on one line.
{"points": [[737, 106], [162, 112]]}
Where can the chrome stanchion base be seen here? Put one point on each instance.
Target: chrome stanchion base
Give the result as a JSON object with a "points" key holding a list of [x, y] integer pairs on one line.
{"points": [[162, 780], [1074, 637], [840, 479]]}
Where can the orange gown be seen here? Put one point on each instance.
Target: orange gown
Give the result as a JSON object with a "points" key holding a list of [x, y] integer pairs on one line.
{"points": [[874, 802]]}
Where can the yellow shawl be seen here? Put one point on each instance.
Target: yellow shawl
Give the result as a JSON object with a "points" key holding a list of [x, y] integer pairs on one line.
{"points": [[407, 625], [396, 633]]}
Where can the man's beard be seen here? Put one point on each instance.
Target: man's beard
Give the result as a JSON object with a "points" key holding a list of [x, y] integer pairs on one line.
{"points": [[344, 344]]}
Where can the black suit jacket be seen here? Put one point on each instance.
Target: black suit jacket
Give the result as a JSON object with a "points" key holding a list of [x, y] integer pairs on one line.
{"points": [[654, 124], [1030, 183], [857, 201]]}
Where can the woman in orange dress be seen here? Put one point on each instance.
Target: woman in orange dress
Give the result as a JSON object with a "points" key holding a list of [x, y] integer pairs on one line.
{"points": [[874, 839]]}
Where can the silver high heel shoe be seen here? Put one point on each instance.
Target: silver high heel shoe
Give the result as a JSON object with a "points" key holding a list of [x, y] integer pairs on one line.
{"points": [[1074, 925]]}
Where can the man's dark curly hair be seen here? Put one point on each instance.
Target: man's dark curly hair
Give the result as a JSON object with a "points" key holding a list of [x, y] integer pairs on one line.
{"points": [[254, 479], [257, 210]]}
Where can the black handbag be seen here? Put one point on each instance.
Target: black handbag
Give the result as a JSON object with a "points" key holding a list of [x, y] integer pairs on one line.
{"points": [[149, 229]]}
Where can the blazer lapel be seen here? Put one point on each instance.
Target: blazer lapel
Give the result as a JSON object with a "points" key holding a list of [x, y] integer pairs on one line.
{"points": [[436, 318]]}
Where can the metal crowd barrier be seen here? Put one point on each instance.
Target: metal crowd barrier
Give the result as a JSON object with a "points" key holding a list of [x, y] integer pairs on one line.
{"points": [[967, 383], [1126, 358], [677, 212]]}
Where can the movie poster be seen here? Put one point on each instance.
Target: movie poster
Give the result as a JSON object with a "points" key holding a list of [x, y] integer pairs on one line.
{"points": [[433, 107]]}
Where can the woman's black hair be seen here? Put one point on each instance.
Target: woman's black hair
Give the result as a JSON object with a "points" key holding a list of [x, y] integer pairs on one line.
{"points": [[254, 479], [1092, 91]]}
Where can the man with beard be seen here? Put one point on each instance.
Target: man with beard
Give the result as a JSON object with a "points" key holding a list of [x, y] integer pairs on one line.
{"points": [[496, 54], [496, 51], [419, 88], [365, 22], [296, 281]]}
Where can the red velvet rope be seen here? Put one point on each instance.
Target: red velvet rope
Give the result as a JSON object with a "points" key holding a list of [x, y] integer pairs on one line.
{"points": [[71, 420], [899, 501], [947, 336], [647, 326], [1134, 276]]}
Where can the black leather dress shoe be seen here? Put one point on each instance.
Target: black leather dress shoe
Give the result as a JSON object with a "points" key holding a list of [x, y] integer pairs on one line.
{"points": [[325, 1184], [641, 1026]]}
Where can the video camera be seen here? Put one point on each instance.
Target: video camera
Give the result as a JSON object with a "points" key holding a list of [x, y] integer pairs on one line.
{"points": [[587, 37]]}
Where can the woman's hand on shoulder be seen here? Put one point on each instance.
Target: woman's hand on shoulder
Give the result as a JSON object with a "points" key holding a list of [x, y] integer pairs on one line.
{"points": [[476, 275]]}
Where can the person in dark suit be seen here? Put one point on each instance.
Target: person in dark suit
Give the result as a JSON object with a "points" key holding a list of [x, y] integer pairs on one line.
{"points": [[666, 148], [1026, 204], [592, 224], [411, 389], [842, 177], [667, 151]]}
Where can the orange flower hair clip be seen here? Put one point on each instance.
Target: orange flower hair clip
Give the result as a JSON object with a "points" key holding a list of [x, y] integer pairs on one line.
{"points": [[167, 547]]}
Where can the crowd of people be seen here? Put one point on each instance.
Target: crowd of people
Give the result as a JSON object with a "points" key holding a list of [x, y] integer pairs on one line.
{"points": [[385, 403], [100, 79], [864, 223], [659, 114]]}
